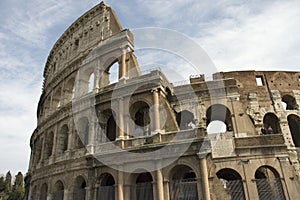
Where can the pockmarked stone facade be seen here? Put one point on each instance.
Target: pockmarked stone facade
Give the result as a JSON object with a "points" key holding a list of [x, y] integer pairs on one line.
{"points": [[137, 136]]}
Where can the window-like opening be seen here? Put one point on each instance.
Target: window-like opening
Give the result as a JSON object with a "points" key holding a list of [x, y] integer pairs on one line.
{"points": [[219, 113], [259, 81], [79, 189], [34, 194], [232, 184], [62, 139], [183, 183], [111, 74], [294, 125], [139, 113], [106, 191], [38, 145], [216, 126], [57, 99], [111, 129], [70, 89], [290, 102], [144, 188], [82, 126], [59, 191], [54, 67], [91, 83], [76, 43], [48, 145], [114, 73], [185, 120], [271, 123], [299, 78], [268, 183], [44, 192]]}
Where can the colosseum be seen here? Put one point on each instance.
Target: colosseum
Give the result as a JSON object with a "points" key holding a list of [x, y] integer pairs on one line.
{"points": [[141, 137]]}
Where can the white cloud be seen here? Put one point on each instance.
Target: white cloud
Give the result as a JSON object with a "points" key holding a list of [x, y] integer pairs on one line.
{"points": [[268, 40]]}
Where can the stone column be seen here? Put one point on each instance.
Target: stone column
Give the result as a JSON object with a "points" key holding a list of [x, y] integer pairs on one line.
{"points": [[97, 80], [204, 178], [156, 116], [160, 186], [121, 119], [123, 65], [120, 185]]}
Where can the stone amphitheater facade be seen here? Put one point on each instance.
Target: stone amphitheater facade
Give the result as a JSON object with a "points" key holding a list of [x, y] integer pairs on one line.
{"points": [[88, 124]]}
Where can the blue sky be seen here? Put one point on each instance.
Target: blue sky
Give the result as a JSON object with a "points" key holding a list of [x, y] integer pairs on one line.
{"points": [[237, 35]]}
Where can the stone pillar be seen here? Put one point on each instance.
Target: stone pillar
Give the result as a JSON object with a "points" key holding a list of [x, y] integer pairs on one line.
{"points": [[204, 178], [160, 186], [121, 119], [120, 185], [97, 80], [127, 117], [156, 116], [166, 189], [123, 65]]}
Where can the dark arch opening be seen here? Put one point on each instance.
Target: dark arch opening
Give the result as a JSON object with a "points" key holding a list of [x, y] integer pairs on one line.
{"points": [[144, 188], [294, 125], [106, 191], [183, 184], [111, 129], [59, 191], [271, 123], [62, 140], [49, 145], [232, 183], [83, 130], [290, 102], [268, 183], [139, 112], [219, 112], [79, 189], [44, 191], [185, 120]]}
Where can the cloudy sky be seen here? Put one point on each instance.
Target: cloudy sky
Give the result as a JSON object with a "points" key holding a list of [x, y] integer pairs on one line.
{"points": [[237, 35]]}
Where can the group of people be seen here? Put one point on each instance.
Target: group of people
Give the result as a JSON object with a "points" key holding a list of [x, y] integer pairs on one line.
{"points": [[265, 131]]}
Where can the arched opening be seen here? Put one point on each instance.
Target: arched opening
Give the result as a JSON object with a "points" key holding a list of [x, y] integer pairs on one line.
{"points": [[139, 113], [34, 194], [48, 145], [106, 191], [268, 183], [111, 129], [83, 129], [91, 82], [38, 145], [59, 191], [232, 184], [62, 139], [185, 120], [57, 99], [183, 183], [144, 188], [44, 192], [111, 74], [47, 106], [221, 113], [271, 123], [108, 125], [294, 125], [70, 89], [79, 188], [114, 72], [216, 126], [290, 102]]}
